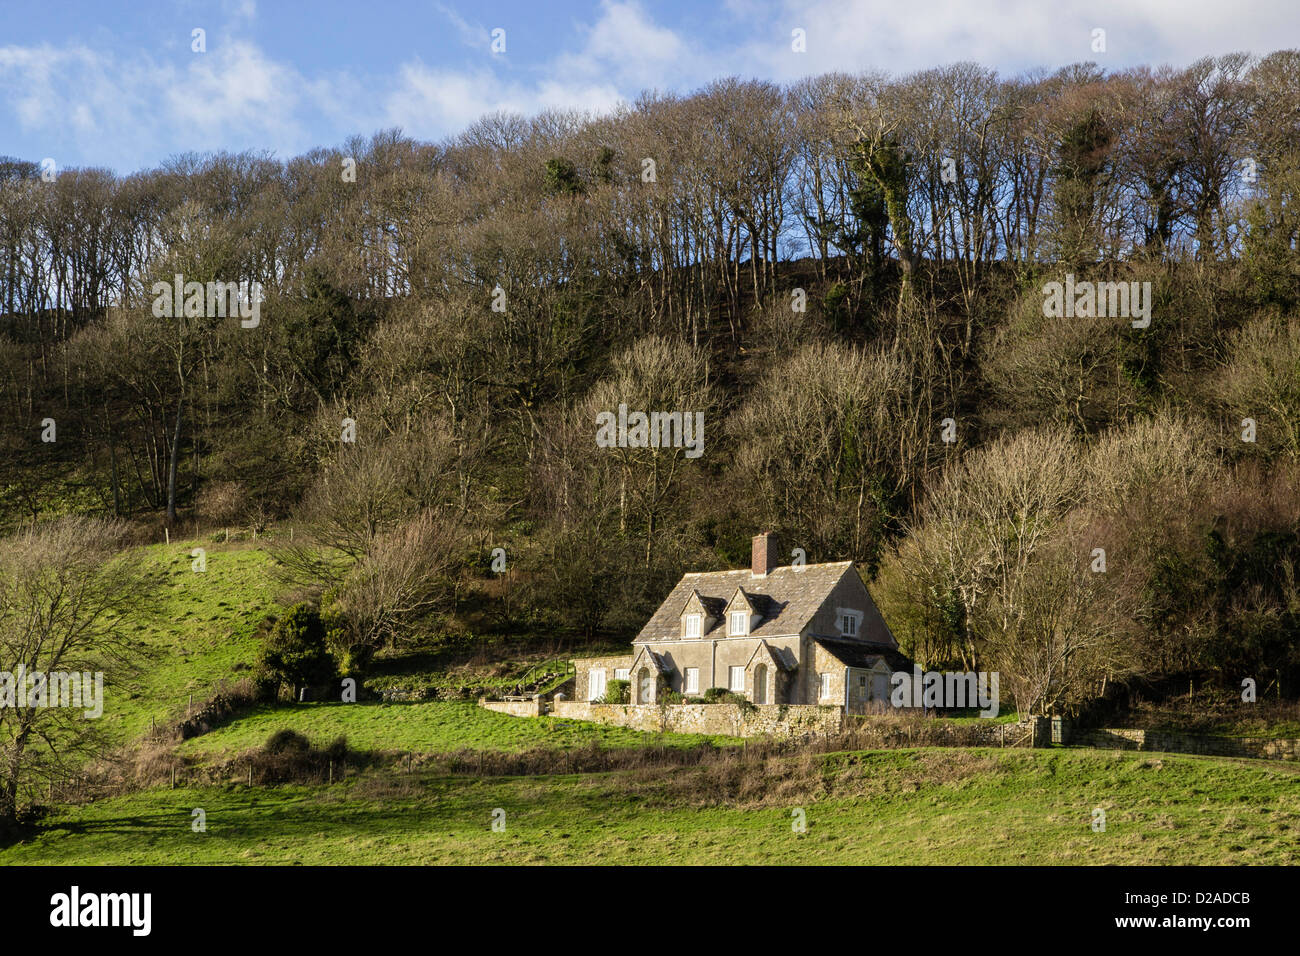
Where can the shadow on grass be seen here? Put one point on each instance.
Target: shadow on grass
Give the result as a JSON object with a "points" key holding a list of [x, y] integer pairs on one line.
{"points": [[397, 814]]}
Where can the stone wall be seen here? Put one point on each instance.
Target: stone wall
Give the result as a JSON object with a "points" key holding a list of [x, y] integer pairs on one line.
{"points": [[918, 731], [1152, 740], [734, 720], [516, 708]]}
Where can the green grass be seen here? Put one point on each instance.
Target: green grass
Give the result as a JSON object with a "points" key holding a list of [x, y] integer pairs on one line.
{"points": [[883, 807], [438, 671], [202, 631], [432, 727]]}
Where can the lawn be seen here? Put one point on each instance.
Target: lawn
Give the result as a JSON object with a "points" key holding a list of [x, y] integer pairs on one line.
{"points": [[882, 807], [201, 632], [429, 727]]}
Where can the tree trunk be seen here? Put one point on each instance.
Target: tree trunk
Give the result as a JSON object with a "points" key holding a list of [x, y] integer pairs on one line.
{"points": [[171, 465]]}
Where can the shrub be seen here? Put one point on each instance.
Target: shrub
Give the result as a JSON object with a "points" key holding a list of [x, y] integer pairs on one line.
{"points": [[295, 652], [287, 741], [288, 756], [617, 692], [721, 695]]}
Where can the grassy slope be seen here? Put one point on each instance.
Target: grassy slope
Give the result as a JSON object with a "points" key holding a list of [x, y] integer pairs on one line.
{"points": [[433, 727], [202, 633], [203, 629], [994, 806]]}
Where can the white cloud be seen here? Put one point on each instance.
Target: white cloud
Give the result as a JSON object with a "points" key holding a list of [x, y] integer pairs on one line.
{"points": [[627, 50], [626, 44], [623, 52], [854, 35], [130, 108], [475, 36], [431, 103], [428, 101], [119, 109]]}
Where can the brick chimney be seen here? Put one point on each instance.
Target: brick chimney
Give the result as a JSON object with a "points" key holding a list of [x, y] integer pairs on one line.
{"points": [[764, 554]]}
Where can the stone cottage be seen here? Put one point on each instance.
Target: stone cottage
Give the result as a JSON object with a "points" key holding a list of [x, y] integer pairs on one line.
{"points": [[778, 634]]}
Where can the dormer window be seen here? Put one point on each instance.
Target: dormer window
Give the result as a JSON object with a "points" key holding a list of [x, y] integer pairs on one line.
{"points": [[850, 621], [742, 614], [692, 627]]}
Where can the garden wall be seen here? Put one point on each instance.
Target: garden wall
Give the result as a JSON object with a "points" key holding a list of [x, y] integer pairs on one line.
{"points": [[516, 708], [733, 720]]}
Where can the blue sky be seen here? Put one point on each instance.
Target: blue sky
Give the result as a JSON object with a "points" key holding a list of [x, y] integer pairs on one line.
{"points": [[115, 83]]}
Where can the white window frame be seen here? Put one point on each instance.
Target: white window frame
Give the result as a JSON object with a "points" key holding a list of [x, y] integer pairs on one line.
{"points": [[692, 626], [850, 617], [691, 680], [825, 689], [593, 682], [732, 673], [739, 623], [622, 673]]}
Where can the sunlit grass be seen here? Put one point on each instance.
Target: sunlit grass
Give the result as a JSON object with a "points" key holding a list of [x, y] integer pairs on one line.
{"points": [[884, 807]]}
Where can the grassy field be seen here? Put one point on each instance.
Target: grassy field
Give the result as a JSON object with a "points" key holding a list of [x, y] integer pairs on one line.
{"points": [[433, 727], [883, 807], [201, 633]]}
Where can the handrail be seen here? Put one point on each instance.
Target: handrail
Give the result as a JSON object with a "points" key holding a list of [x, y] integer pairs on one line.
{"points": [[543, 666]]}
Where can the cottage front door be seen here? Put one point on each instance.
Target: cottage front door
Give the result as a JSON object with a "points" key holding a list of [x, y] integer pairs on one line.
{"points": [[647, 695], [880, 687]]}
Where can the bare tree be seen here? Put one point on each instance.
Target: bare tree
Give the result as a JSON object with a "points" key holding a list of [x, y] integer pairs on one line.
{"points": [[64, 588]]}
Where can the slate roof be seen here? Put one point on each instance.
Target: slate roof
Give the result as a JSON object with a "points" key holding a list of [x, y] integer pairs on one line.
{"points": [[862, 654], [715, 606], [787, 598], [782, 657], [761, 603], [657, 660]]}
